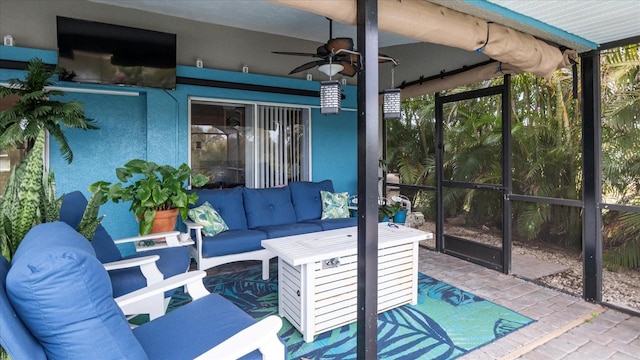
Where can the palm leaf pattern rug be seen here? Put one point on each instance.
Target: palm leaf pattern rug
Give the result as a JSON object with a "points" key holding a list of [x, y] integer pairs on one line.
{"points": [[446, 323]]}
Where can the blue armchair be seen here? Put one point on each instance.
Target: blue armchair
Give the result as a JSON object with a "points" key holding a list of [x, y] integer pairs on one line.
{"points": [[172, 261], [56, 302]]}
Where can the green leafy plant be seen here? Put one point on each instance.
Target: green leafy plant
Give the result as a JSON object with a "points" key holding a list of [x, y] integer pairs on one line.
{"points": [[35, 111], [388, 210], [22, 205], [151, 187], [30, 199]]}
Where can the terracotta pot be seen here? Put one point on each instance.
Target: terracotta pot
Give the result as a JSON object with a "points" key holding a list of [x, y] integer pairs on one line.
{"points": [[165, 220]]}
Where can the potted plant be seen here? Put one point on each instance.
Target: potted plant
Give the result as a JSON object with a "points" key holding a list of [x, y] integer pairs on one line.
{"points": [[387, 211], [153, 189], [34, 111]]}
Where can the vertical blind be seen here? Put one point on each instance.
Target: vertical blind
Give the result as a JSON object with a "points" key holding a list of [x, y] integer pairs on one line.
{"points": [[279, 146]]}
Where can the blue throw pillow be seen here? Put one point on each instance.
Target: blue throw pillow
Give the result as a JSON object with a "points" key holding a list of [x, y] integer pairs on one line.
{"points": [[334, 205], [61, 291], [305, 196], [212, 223], [267, 207]]}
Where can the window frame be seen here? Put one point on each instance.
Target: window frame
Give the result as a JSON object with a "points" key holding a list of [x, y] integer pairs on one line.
{"points": [[250, 180]]}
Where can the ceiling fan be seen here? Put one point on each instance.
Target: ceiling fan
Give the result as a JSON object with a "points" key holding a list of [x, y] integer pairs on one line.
{"points": [[336, 56]]}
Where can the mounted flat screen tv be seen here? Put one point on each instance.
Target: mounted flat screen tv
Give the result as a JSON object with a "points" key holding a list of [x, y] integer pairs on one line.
{"points": [[93, 52]]}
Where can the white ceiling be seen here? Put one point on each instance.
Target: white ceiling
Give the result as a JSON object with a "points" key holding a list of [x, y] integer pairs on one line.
{"points": [[599, 21], [256, 15], [578, 24]]}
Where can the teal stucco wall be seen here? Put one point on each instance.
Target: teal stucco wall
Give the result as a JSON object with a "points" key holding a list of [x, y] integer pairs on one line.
{"points": [[153, 125]]}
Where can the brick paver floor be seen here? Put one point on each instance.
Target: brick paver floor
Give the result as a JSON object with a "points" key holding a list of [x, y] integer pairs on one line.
{"points": [[566, 326]]}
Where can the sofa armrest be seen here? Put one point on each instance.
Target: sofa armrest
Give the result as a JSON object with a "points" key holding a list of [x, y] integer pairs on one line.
{"points": [[197, 231], [191, 225], [262, 336]]}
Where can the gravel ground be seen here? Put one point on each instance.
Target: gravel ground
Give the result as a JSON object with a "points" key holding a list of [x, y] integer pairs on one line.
{"points": [[621, 288]]}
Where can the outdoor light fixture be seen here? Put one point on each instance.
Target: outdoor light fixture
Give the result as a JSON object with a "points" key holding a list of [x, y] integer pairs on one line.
{"points": [[391, 98], [330, 94], [391, 104], [330, 97]]}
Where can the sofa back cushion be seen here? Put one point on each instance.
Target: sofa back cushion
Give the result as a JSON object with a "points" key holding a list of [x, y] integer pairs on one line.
{"points": [[305, 196], [62, 293], [228, 203], [267, 207]]}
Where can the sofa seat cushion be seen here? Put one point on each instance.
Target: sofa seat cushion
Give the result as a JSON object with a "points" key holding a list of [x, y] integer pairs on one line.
{"points": [[266, 207], [63, 294], [173, 261], [228, 203], [330, 224], [232, 242], [276, 231], [203, 324], [305, 196]]}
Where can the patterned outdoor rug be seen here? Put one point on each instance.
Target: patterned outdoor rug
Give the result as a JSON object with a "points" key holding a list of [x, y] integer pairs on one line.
{"points": [[446, 323]]}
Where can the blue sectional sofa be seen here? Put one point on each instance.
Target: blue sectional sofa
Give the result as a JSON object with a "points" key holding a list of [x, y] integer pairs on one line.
{"points": [[253, 215]]}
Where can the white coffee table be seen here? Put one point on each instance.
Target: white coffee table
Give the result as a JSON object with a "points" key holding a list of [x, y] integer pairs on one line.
{"points": [[317, 275]]}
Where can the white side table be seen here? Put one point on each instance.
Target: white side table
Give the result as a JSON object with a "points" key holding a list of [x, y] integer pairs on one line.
{"points": [[182, 239]]}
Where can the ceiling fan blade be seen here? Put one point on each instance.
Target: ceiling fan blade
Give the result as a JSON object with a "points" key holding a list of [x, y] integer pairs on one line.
{"points": [[322, 51], [339, 43], [294, 53], [350, 69], [306, 66]]}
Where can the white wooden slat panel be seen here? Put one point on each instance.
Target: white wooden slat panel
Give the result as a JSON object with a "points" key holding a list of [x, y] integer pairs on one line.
{"points": [[394, 274], [331, 293], [344, 312]]}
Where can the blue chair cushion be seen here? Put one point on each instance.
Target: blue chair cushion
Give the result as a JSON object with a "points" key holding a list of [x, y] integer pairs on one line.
{"points": [[331, 224], [15, 338], [305, 196], [232, 242], [63, 294], [228, 203], [173, 261], [275, 231], [71, 211], [270, 206], [201, 325]]}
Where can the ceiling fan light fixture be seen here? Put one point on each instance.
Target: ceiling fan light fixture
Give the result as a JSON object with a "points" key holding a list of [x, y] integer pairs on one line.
{"points": [[330, 69]]}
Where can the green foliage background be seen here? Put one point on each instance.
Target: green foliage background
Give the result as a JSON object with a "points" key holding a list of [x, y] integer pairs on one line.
{"points": [[546, 157]]}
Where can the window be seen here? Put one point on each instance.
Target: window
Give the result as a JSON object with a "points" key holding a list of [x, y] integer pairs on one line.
{"points": [[12, 156], [253, 145]]}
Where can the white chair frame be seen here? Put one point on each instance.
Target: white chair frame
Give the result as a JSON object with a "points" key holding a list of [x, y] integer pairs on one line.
{"points": [[155, 306]]}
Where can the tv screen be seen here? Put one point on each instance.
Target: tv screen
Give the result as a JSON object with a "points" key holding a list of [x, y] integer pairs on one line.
{"points": [[93, 52]]}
